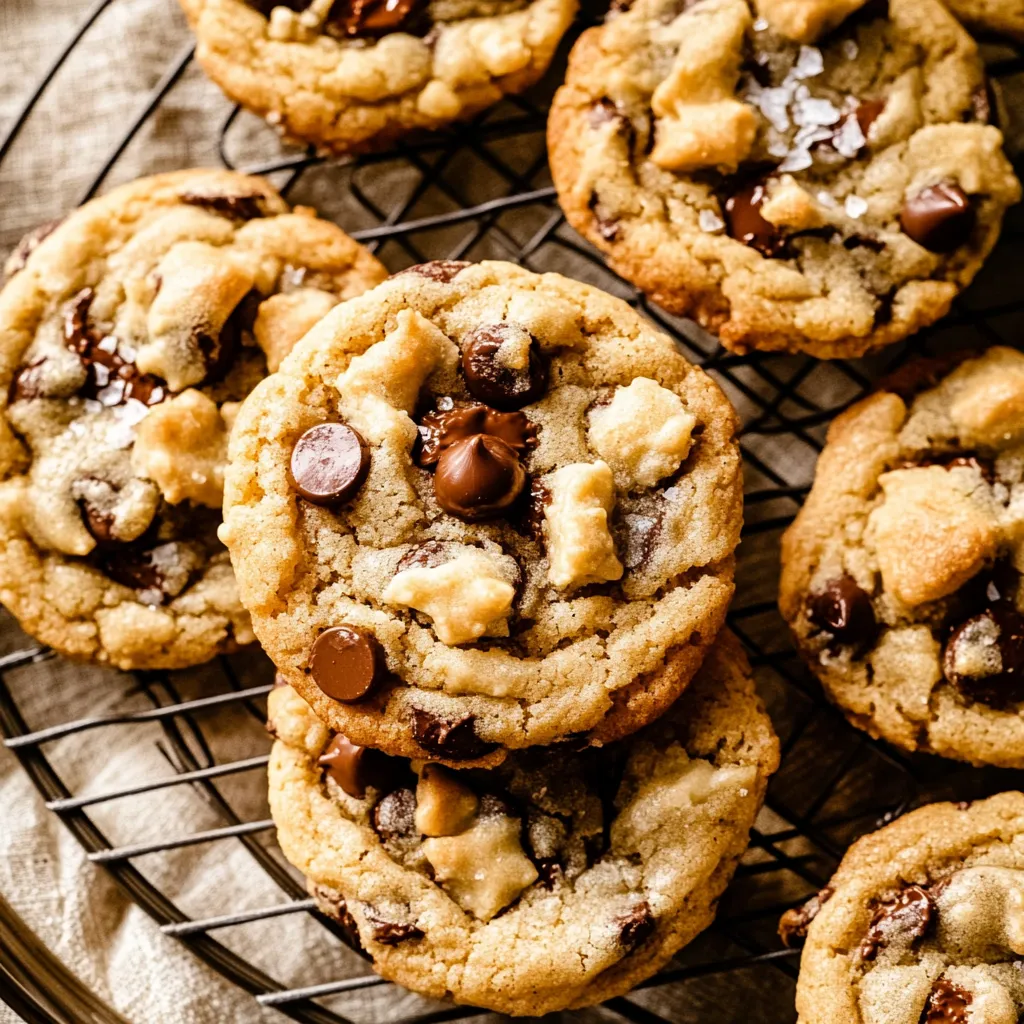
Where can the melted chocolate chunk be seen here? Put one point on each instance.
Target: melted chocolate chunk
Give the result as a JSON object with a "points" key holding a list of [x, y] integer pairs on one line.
{"points": [[444, 271], [329, 463], [442, 737], [639, 534], [238, 206], [28, 382], [844, 611], [745, 223], [158, 572], [478, 478], [532, 504], [354, 768], [388, 932], [394, 815], [424, 556], [351, 18], [947, 1004], [637, 926], [867, 113], [442, 428], [984, 656], [908, 918], [794, 922], [607, 226], [110, 378], [940, 217], [347, 663], [28, 245], [331, 903], [549, 871], [489, 381], [953, 460]]}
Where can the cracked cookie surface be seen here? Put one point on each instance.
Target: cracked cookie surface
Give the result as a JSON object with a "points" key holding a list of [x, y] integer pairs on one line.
{"points": [[794, 174], [356, 74], [128, 335], [557, 879], [528, 555], [923, 922], [901, 573]]}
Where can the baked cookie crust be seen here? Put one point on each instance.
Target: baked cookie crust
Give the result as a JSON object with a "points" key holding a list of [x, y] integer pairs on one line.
{"points": [[361, 77], [796, 176], [128, 334], [588, 870], [582, 601], [899, 575]]}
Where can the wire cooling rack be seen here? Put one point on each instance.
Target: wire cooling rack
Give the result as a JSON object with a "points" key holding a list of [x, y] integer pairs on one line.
{"points": [[483, 191]]}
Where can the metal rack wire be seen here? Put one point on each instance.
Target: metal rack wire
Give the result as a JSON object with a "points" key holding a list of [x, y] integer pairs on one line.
{"points": [[835, 783]]}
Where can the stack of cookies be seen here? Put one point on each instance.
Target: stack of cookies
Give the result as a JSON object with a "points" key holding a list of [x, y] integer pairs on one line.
{"points": [[484, 522]]}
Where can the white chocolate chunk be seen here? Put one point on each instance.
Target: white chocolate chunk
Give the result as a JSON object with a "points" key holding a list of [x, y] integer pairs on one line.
{"points": [[466, 597], [701, 123], [182, 446], [580, 545], [200, 286], [929, 535], [643, 433], [989, 408], [395, 369], [484, 868], [444, 806]]}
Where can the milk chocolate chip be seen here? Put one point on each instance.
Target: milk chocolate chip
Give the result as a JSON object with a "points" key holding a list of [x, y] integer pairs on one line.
{"points": [[478, 478], [329, 463], [745, 223], [492, 380], [354, 768], [939, 217], [905, 919], [444, 427], [454, 740], [843, 610], [346, 663]]}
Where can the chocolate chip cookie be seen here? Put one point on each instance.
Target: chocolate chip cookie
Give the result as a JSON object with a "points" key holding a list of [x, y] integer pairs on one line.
{"points": [[923, 923], [479, 509], [356, 74], [557, 879], [797, 175], [128, 334], [901, 574]]}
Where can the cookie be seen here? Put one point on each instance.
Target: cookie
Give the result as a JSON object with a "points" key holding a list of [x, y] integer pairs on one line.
{"points": [[128, 335], [479, 508], [998, 17], [555, 880], [796, 175], [350, 75], [923, 923], [900, 576]]}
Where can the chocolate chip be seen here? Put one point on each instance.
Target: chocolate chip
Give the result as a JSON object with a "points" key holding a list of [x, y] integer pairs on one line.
{"points": [[491, 382], [424, 556], [745, 223], [28, 245], [604, 111], [347, 663], [607, 226], [329, 463], [442, 737], [478, 478], [351, 18], [237, 206], [947, 1004], [867, 113], [28, 382], [444, 427], [939, 217], [76, 314], [638, 533], [549, 871], [844, 611], [907, 918], [354, 767], [388, 932], [99, 522], [794, 922], [953, 460], [394, 815], [332, 904], [444, 271], [530, 520], [159, 573], [984, 656], [637, 926]]}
